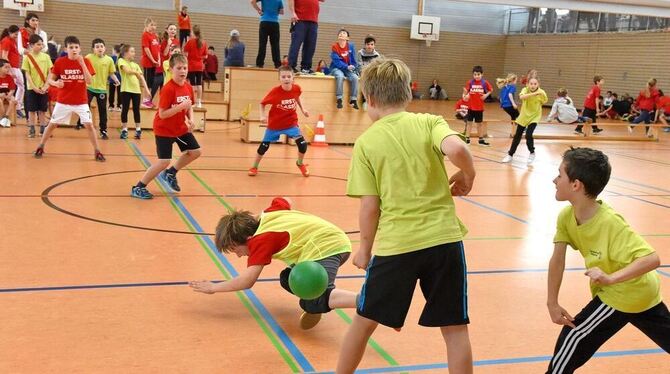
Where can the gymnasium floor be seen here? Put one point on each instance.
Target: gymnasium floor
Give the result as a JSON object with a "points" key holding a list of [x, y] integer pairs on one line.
{"points": [[94, 281]]}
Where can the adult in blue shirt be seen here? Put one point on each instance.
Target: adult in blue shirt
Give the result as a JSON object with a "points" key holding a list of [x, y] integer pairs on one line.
{"points": [[268, 29]]}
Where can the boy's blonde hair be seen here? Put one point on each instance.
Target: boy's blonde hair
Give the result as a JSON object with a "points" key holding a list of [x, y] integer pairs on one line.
{"points": [[177, 58], [234, 229], [388, 81]]}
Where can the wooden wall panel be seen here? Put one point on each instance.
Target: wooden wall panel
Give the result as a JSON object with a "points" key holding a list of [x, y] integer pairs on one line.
{"points": [[626, 60], [450, 60]]}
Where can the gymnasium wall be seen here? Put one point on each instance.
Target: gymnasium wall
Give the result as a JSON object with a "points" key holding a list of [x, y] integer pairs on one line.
{"points": [[626, 60], [450, 60]]}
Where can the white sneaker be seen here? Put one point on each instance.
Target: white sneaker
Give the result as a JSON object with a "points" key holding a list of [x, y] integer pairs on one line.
{"points": [[531, 158], [5, 122], [199, 104], [507, 159]]}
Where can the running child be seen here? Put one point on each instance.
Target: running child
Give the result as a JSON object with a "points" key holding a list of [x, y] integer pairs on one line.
{"points": [[533, 97]]}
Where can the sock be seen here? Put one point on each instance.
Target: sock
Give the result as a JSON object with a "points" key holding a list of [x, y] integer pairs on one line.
{"points": [[140, 184], [299, 162], [256, 164], [172, 170]]}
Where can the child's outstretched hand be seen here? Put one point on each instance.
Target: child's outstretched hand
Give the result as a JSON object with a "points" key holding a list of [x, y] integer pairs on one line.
{"points": [[202, 286], [460, 184], [560, 316]]}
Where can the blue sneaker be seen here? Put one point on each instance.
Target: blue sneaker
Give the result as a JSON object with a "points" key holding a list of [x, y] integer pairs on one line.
{"points": [[124, 134], [141, 193], [171, 180]]}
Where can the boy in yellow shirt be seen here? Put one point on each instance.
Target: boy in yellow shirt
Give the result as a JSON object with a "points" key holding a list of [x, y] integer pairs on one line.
{"points": [[37, 66], [620, 265], [397, 170], [105, 69]]}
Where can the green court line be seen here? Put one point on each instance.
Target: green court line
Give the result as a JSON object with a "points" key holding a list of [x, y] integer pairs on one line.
{"points": [[240, 294], [371, 342]]}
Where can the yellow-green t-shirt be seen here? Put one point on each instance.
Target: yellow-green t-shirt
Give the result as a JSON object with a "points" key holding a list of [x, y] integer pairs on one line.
{"points": [[531, 109], [608, 242], [104, 67], [44, 62], [129, 82], [399, 159], [167, 74], [311, 238]]}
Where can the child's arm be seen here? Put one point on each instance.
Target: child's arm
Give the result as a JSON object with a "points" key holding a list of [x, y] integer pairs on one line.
{"points": [[144, 85], [112, 76], [84, 68], [554, 279], [261, 111], [368, 220], [553, 113], [635, 269], [511, 99], [147, 51], [459, 155], [255, 6], [245, 280], [53, 81], [304, 111], [31, 83], [189, 119]]}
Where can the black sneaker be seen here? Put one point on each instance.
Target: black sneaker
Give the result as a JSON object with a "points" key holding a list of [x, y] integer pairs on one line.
{"points": [[579, 132], [467, 140], [79, 126], [124, 134], [42, 128], [483, 142], [354, 104], [339, 103], [597, 130], [307, 71], [39, 152], [103, 135], [141, 193], [138, 134], [171, 180]]}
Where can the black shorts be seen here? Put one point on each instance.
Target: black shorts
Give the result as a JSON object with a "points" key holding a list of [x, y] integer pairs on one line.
{"points": [[36, 102], [195, 78], [186, 142], [390, 282], [475, 115], [591, 113], [513, 113], [210, 76]]}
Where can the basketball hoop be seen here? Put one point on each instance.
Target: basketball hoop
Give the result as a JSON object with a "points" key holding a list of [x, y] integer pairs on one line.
{"points": [[426, 37]]}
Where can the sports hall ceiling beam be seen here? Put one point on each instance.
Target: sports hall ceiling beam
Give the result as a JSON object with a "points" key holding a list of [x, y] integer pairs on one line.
{"points": [[654, 8]]}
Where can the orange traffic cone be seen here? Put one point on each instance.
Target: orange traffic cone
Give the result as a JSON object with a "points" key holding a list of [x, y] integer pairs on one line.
{"points": [[320, 133]]}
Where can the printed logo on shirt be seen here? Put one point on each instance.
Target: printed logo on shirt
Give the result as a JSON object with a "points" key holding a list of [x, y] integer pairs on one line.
{"points": [[72, 75], [287, 105], [181, 99], [4, 87], [596, 254], [477, 89]]}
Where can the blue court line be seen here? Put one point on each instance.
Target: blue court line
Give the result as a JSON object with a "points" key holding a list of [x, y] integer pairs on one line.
{"points": [[493, 209], [267, 280], [504, 361], [281, 334]]}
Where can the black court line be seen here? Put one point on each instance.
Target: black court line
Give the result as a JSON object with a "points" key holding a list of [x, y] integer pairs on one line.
{"points": [[46, 199]]}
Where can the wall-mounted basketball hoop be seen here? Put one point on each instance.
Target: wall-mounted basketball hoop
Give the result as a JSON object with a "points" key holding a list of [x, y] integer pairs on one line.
{"points": [[24, 6], [425, 28]]}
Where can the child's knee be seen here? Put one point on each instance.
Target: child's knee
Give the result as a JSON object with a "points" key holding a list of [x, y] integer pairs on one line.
{"points": [[195, 153], [163, 163], [301, 143]]}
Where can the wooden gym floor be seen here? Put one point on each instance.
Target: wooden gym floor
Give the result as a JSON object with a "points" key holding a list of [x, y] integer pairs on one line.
{"points": [[93, 281]]}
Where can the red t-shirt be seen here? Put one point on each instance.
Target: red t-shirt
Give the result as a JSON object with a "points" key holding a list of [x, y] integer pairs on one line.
{"points": [[646, 103], [307, 10], [72, 75], [164, 44], [462, 105], [283, 113], [476, 90], [25, 37], [663, 103], [173, 94], [590, 101], [7, 84], [150, 40], [195, 55], [184, 22], [342, 52], [263, 246], [212, 64], [8, 44]]}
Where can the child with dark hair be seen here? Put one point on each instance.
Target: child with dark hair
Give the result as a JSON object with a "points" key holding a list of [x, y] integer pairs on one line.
{"points": [[367, 54], [620, 266], [211, 65], [478, 90], [9, 51], [343, 65], [37, 66], [592, 103], [7, 88]]}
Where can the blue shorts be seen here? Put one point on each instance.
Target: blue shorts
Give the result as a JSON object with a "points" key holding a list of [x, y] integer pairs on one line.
{"points": [[273, 135]]}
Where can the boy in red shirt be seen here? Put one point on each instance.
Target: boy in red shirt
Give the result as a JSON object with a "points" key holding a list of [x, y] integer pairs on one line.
{"points": [[283, 118], [211, 65], [462, 110], [71, 74], [477, 90], [591, 104], [7, 88], [173, 123]]}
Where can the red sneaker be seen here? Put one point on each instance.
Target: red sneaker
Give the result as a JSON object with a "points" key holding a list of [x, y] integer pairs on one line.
{"points": [[303, 169], [253, 172]]}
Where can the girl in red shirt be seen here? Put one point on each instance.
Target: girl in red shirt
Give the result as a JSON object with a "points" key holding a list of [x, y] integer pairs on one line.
{"points": [[645, 102], [151, 49], [9, 51], [196, 52]]}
